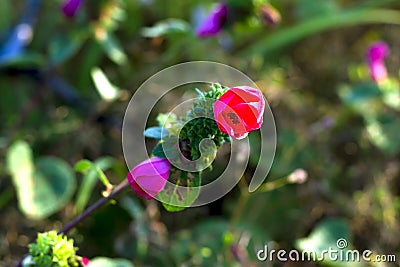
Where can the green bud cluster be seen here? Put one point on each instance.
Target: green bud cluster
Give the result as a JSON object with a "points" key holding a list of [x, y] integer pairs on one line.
{"points": [[199, 123], [53, 250]]}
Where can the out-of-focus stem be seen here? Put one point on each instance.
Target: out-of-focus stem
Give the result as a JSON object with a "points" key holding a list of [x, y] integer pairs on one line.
{"points": [[241, 204], [124, 184], [334, 20], [244, 194]]}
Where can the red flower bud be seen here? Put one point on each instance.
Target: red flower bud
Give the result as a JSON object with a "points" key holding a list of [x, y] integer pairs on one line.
{"points": [[149, 177], [239, 111]]}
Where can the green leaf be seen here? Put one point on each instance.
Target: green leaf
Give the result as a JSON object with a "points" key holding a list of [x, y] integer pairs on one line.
{"points": [[177, 199], [328, 21], [359, 94], [42, 189], [108, 262], [106, 89], [156, 132], [363, 98], [85, 165], [325, 235], [331, 233], [167, 148], [391, 93], [158, 151], [24, 60], [165, 119], [310, 8], [166, 27], [383, 132], [54, 185], [62, 47], [113, 49], [89, 179]]}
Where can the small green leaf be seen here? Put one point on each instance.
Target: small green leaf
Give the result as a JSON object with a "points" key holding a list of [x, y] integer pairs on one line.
{"points": [[165, 119], [167, 148], [199, 92], [364, 98], [176, 198], [89, 179], [158, 151], [84, 166], [156, 132], [108, 262], [113, 49], [107, 91], [383, 132], [166, 27], [325, 235], [391, 93]]}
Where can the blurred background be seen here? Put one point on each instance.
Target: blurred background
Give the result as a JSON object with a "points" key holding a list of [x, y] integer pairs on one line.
{"points": [[67, 76]]}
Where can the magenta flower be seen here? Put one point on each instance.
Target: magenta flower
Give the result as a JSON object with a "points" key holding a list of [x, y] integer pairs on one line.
{"points": [[70, 7], [377, 51], [214, 22], [149, 177], [376, 54]]}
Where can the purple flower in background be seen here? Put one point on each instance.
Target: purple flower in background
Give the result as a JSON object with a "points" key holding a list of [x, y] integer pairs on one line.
{"points": [[70, 7], [376, 54], [214, 21], [377, 51]]}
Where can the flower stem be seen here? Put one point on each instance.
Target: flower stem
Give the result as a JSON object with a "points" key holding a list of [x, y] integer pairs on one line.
{"points": [[124, 184], [242, 201], [273, 185]]}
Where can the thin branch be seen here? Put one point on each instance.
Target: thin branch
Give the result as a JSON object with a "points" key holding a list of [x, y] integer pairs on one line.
{"points": [[124, 184], [118, 189]]}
